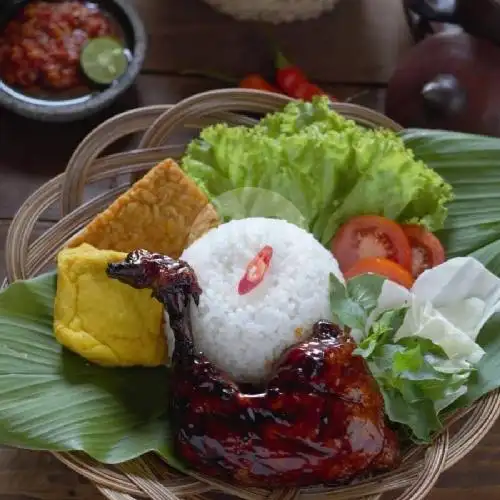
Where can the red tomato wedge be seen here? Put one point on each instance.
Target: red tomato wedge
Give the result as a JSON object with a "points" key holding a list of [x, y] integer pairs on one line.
{"points": [[383, 267], [370, 236], [427, 251]]}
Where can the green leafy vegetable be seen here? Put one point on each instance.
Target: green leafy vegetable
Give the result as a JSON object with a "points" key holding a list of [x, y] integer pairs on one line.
{"points": [[381, 331], [52, 399], [351, 304], [414, 373], [329, 168]]}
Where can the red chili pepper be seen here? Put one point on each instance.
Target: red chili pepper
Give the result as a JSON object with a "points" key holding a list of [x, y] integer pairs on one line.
{"points": [[257, 82], [293, 81], [255, 271], [251, 81]]}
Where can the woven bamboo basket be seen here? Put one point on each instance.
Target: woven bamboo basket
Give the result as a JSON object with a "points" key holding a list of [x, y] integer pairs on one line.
{"points": [[149, 476]]}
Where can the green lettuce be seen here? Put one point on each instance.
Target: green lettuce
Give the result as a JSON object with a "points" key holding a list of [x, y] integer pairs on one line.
{"points": [[325, 166]]}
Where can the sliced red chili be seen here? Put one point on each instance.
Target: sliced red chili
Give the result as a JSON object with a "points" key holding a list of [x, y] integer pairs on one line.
{"points": [[255, 271]]}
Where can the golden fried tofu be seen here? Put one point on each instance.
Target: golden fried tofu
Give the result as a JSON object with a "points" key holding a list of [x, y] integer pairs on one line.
{"points": [[162, 212], [105, 321]]}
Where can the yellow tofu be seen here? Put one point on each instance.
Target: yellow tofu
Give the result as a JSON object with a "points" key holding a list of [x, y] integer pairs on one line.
{"points": [[105, 321]]}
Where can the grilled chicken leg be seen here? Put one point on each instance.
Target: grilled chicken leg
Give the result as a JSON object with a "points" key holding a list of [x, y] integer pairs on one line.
{"points": [[320, 419]]}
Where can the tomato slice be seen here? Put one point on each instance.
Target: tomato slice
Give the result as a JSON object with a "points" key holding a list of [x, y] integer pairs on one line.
{"points": [[427, 251], [370, 236], [382, 267]]}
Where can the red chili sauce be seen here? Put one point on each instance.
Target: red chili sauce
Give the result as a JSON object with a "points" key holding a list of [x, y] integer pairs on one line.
{"points": [[40, 47]]}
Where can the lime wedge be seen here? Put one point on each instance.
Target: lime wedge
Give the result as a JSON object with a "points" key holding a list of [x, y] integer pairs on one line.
{"points": [[103, 60]]}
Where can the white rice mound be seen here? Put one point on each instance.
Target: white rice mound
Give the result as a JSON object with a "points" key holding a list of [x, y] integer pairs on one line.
{"points": [[244, 334]]}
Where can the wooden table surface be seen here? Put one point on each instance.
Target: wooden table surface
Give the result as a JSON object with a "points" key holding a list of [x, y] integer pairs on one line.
{"points": [[353, 49]]}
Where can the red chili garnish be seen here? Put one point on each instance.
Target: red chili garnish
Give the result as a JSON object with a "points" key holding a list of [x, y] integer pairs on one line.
{"points": [[255, 271], [293, 81]]}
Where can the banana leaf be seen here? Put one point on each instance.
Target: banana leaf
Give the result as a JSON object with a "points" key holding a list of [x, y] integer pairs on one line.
{"points": [[471, 164], [52, 399]]}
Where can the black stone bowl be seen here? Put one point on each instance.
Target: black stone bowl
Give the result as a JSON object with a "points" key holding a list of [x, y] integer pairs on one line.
{"points": [[53, 109]]}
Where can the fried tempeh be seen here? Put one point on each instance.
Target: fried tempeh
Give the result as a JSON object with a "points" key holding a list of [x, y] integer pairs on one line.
{"points": [[162, 212]]}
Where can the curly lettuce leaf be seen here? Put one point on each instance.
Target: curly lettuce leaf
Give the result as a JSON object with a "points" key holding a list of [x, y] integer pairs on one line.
{"points": [[327, 167], [301, 115]]}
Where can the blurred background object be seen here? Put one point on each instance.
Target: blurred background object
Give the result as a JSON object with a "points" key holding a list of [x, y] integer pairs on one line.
{"points": [[273, 11], [477, 17], [449, 79]]}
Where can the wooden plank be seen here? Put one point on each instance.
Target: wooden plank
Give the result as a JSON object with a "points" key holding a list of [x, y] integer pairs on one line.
{"points": [[41, 476], [360, 41]]}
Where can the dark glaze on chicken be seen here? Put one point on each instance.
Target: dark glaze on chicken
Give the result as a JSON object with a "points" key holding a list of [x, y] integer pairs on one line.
{"points": [[320, 419]]}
